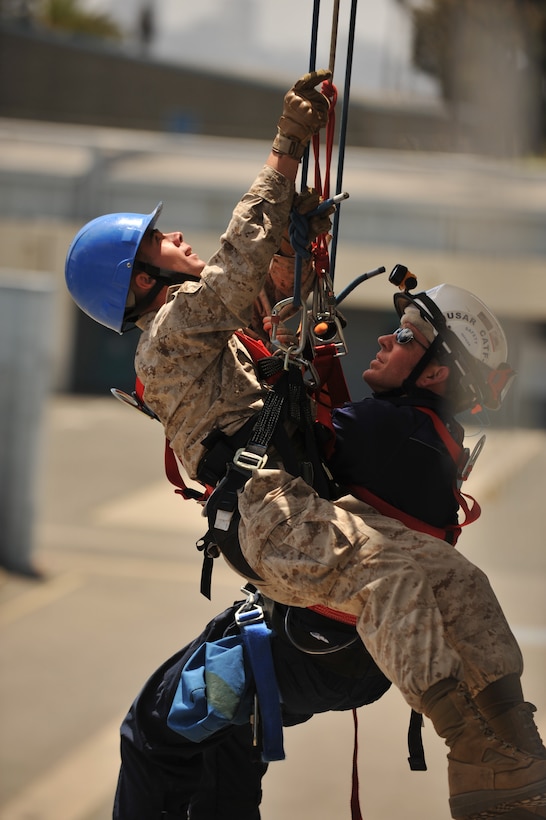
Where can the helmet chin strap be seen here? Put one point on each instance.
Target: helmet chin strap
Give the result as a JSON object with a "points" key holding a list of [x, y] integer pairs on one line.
{"points": [[463, 364], [163, 278], [410, 383], [430, 353]]}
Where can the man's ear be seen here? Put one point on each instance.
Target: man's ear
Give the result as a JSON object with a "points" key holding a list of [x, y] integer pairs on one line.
{"points": [[433, 375], [143, 281]]}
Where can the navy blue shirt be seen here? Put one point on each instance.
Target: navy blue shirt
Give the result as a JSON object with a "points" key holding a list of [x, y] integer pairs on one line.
{"points": [[388, 446]]}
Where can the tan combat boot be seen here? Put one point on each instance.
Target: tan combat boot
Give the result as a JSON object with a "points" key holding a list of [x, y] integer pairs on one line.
{"points": [[518, 727], [511, 719], [488, 777]]}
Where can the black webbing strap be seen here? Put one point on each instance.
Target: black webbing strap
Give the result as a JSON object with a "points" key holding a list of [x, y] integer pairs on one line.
{"points": [[286, 400], [416, 757], [220, 450], [221, 509]]}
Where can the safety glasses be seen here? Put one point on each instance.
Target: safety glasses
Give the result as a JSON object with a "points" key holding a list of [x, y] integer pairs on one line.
{"points": [[404, 335]]}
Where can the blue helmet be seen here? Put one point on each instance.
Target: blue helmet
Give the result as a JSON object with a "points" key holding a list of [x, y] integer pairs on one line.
{"points": [[100, 261]]}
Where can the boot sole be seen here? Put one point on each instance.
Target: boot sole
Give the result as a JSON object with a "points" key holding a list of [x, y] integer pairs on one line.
{"points": [[521, 814], [485, 804]]}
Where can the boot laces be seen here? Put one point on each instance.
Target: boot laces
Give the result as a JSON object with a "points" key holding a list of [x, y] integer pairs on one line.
{"points": [[530, 740], [535, 741], [484, 726], [492, 736]]}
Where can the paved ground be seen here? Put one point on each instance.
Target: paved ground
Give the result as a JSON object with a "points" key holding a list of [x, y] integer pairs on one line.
{"points": [[120, 594]]}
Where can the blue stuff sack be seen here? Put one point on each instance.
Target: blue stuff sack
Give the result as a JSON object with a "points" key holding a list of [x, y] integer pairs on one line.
{"points": [[215, 689]]}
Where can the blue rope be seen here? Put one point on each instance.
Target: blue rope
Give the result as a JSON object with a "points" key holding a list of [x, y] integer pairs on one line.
{"points": [[298, 231], [298, 226]]}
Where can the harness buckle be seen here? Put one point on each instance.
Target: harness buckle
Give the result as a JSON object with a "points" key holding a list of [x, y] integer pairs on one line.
{"points": [[246, 460], [223, 520], [250, 612]]}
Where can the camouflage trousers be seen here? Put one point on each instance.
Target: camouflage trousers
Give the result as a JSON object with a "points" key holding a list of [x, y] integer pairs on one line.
{"points": [[424, 612]]}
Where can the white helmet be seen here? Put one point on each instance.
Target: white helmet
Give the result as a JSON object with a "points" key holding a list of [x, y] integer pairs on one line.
{"points": [[469, 338]]}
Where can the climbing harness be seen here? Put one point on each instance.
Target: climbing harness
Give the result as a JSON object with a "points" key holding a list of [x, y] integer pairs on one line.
{"points": [[463, 460]]}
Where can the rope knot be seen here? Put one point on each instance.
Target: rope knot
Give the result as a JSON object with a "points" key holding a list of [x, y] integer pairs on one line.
{"points": [[298, 231]]}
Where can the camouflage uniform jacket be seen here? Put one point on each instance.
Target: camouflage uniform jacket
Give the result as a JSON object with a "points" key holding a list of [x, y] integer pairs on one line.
{"points": [[197, 375]]}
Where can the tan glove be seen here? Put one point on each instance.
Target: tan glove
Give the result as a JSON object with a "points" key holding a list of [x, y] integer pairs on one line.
{"points": [[305, 112], [321, 223], [301, 232]]}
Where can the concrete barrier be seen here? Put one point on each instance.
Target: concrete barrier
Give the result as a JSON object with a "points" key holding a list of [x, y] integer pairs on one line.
{"points": [[26, 333]]}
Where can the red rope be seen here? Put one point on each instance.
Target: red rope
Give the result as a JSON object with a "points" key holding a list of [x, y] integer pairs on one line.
{"points": [[356, 813], [320, 246], [330, 92], [334, 614]]}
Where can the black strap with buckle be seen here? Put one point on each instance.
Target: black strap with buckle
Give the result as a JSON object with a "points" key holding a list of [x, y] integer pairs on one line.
{"points": [[231, 460]]}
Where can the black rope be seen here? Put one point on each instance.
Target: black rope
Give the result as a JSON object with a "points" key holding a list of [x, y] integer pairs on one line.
{"points": [[312, 67], [343, 135], [343, 128], [345, 108]]}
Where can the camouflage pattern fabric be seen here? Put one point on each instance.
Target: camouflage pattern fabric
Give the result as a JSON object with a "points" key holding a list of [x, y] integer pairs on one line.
{"points": [[424, 612], [197, 375]]}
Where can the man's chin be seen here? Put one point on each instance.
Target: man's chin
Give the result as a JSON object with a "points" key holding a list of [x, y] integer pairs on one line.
{"points": [[376, 385], [368, 377]]}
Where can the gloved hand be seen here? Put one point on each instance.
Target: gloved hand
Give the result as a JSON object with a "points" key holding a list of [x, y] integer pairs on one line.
{"points": [[305, 112], [302, 230], [320, 223]]}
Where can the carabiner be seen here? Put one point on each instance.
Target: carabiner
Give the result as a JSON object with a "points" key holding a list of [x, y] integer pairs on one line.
{"points": [[469, 461], [289, 350]]}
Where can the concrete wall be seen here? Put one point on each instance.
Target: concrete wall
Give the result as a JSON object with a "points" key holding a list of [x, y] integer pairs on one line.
{"points": [[70, 80], [26, 351]]}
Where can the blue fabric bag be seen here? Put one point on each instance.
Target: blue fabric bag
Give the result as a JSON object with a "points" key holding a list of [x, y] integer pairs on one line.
{"points": [[215, 689]]}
